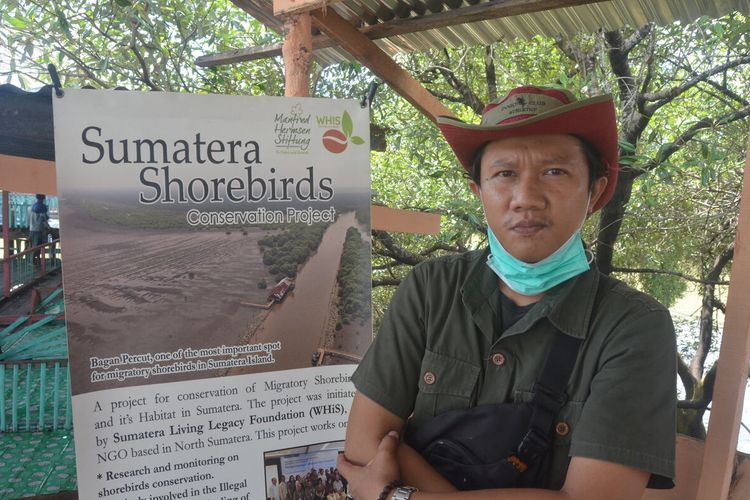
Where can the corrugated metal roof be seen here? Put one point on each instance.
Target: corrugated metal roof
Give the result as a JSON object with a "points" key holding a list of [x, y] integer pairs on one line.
{"points": [[566, 20]]}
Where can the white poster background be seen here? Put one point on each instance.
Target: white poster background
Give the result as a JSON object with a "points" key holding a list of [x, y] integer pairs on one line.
{"points": [[182, 431]]}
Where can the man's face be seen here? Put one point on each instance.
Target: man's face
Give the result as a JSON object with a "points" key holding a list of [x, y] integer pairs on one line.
{"points": [[535, 192]]}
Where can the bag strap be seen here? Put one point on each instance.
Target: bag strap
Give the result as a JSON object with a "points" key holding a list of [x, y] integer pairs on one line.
{"points": [[548, 398], [549, 394]]}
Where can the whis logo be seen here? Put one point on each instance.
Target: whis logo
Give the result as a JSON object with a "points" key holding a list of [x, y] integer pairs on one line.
{"points": [[335, 140]]}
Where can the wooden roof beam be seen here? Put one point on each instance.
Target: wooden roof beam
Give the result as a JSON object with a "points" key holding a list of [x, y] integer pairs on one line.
{"points": [[364, 50], [286, 7], [474, 13]]}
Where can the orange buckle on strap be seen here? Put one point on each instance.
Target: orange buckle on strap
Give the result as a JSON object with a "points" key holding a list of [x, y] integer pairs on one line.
{"points": [[517, 463]]}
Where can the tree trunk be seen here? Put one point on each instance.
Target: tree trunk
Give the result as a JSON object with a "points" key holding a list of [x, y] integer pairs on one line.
{"points": [[611, 220]]}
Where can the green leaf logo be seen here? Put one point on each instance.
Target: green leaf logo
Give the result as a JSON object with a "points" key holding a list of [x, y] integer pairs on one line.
{"points": [[346, 124], [336, 141]]}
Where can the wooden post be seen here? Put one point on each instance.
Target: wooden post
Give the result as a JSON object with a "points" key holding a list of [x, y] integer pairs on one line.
{"points": [[404, 221], [732, 374], [297, 54]]}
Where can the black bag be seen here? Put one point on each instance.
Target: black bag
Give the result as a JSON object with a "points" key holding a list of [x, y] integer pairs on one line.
{"points": [[490, 446]]}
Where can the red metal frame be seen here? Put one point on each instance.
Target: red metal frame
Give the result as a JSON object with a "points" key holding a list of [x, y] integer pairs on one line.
{"points": [[6, 244], [8, 258], [8, 320]]}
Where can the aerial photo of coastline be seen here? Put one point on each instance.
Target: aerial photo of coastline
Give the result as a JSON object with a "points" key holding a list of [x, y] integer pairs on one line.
{"points": [[141, 280]]}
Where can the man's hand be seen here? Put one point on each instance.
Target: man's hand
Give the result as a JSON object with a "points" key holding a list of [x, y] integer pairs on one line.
{"points": [[367, 482]]}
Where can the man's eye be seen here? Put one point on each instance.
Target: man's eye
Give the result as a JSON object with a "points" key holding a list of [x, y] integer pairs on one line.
{"points": [[554, 171], [504, 173]]}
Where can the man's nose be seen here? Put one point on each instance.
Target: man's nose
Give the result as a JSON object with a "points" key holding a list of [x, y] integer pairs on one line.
{"points": [[528, 194]]}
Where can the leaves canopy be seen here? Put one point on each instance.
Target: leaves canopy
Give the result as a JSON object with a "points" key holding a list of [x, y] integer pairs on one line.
{"points": [[679, 89]]}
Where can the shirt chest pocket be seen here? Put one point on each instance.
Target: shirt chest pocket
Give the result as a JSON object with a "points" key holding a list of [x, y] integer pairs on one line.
{"points": [[564, 424], [445, 384]]}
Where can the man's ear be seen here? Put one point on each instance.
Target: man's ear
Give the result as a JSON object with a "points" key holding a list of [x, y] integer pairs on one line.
{"points": [[596, 192], [476, 189]]}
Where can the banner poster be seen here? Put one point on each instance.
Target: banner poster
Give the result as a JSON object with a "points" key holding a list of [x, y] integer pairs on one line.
{"points": [[217, 288]]}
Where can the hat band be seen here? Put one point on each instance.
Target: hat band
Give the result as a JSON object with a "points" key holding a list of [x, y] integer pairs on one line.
{"points": [[520, 107]]}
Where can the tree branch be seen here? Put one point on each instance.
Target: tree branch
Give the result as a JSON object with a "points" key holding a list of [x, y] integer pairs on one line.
{"points": [[688, 381], [489, 73], [386, 282], [717, 304], [707, 312], [671, 273], [446, 97], [82, 65], [584, 62], [636, 38], [388, 265], [721, 261], [669, 149], [440, 246], [649, 69], [708, 393], [728, 92], [658, 99], [567, 48], [394, 251], [469, 98], [146, 77]]}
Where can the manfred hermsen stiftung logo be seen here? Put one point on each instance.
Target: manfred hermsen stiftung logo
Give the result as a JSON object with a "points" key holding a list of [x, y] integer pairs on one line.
{"points": [[292, 131], [337, 140]]}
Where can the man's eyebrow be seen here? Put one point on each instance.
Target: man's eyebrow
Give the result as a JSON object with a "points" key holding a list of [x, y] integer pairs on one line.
{"points": [[502, 162], [557, 157]]}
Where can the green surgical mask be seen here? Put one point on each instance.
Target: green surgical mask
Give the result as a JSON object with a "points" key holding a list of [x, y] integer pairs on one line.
{"points": [[531, 279]]}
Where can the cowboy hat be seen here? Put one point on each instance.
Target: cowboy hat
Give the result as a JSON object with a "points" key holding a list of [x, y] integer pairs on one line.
{"points": [[536, 111]]}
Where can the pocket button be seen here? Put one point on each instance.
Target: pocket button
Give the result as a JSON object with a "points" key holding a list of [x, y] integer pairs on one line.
{"points": [[498, 359], [562, 429], [429, 378]]}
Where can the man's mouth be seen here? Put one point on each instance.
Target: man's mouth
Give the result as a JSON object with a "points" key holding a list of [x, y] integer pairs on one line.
{"points": [[528, 227]]}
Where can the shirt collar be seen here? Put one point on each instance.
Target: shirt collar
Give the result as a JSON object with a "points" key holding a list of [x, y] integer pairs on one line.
{"points": [[568, 306]]}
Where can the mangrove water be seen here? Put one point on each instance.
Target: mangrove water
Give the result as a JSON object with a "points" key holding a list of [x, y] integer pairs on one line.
{"points": [[300, 320]]}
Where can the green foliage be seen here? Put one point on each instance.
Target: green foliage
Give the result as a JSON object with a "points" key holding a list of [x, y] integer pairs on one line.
{"points": [[679, 216], [285, 251], [141, 45], [354, 279]]}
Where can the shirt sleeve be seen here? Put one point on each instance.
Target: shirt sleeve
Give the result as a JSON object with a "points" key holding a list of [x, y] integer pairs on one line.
{"points": [[389, 372], [629, 416]]}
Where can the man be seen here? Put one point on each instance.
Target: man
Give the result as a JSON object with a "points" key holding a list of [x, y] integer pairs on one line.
{"points": [[38, 224], [283, 488], [473, 332], [273, 490]]}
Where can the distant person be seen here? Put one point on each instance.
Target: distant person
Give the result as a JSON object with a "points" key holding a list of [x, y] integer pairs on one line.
{"points": [[290, 486], [319, 492], [283, 488], [38, 224], [338, 487], [299, 492], [273, 490]]}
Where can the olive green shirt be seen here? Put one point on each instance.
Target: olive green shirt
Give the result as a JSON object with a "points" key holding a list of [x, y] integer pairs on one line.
{"points": [[437, 351]]}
